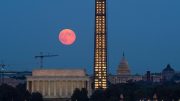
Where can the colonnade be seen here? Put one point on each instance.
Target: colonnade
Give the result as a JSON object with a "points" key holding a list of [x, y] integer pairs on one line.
{"points": [[56, 88]]}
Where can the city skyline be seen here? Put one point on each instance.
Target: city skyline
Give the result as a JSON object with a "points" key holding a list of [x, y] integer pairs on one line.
{"points": [[147, 31]]}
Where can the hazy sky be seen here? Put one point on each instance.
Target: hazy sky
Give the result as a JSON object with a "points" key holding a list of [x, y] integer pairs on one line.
{"points": [[148, 31]]}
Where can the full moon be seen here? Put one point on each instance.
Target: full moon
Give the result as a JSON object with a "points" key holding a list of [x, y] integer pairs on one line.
{"points": [[67, 36]]}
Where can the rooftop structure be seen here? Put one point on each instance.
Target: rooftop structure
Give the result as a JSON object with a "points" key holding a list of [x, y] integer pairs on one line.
{"points": [[168, 73], [59, 72], [123, 68]]}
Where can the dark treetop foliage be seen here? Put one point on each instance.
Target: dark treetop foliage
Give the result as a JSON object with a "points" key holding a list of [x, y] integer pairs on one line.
{"points": [[18, 93], [80, 95], [135, 91]]}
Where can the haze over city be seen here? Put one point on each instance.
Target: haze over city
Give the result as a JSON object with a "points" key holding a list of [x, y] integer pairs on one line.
{"points": [[147, 31]]}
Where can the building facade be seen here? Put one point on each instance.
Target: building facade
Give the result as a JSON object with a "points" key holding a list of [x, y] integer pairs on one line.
{"points": [[152, 77], [11, 81], [100, 47], [115, 79], [57, 83], [123, 73], [123, 68], [168, 73]]}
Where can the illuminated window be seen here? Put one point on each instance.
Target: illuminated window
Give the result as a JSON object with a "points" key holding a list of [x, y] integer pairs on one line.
{"points": [[100, 51]]}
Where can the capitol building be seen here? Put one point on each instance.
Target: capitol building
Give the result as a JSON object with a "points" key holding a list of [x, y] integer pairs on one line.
{"points": [[123, 73]]}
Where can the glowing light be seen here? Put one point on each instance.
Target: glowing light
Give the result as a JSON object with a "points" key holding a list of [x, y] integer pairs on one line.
{"points": [[67, 36]]}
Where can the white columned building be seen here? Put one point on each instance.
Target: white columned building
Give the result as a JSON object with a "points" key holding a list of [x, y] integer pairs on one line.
{"points": [[58, 83]]}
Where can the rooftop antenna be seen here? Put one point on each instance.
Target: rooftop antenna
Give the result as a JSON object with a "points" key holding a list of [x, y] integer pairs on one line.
{"points": [[42, 56]]}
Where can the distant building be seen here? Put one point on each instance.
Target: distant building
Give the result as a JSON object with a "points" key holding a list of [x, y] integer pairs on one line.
{"points": [[13, 78], [152, 77], [156, 77], [136, 78], [11, 81], [168, 73], [123, 73], [114, 79], [148, 76], [123, 68], [58, 83]]}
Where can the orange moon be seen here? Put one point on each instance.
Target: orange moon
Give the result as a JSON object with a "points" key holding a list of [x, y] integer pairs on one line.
{"points": [[67, 36]]}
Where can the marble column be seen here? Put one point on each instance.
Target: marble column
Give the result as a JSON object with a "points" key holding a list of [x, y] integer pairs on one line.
{"points": [[49, 93], [89, 87], [60, 88], [82, 84], [43, 88], [27, 86], [32, 86], [68, 88], [77, 84], [55, 88], [74, 84], [65, 86], [38, 86], [72, 87]]}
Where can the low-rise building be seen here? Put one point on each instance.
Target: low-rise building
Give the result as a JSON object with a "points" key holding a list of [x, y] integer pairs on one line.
{"points": [[58, 83], [168, 73], [11, 81]]}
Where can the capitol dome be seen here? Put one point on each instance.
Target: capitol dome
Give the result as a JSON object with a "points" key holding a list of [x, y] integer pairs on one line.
{"points": [[168, 69], [168, 73], [123, 68]]}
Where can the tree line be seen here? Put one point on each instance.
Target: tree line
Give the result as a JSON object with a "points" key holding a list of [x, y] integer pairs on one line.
{"points": [[167, 91], [131, 91], [18, 93]]}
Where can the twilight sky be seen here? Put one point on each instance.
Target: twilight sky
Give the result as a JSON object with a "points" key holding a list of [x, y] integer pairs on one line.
{"points": [[148, 31]]}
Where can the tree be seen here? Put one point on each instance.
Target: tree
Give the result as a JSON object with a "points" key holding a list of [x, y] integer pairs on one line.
{"points": [[98, 95], [24, 94], [112, 93], [27, 96], [76, 95], [84, 95], [8, 93], [36, 96]]}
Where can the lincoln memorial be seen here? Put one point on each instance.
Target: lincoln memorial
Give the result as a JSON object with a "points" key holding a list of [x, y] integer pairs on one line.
{"points": [[58, 83]]}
